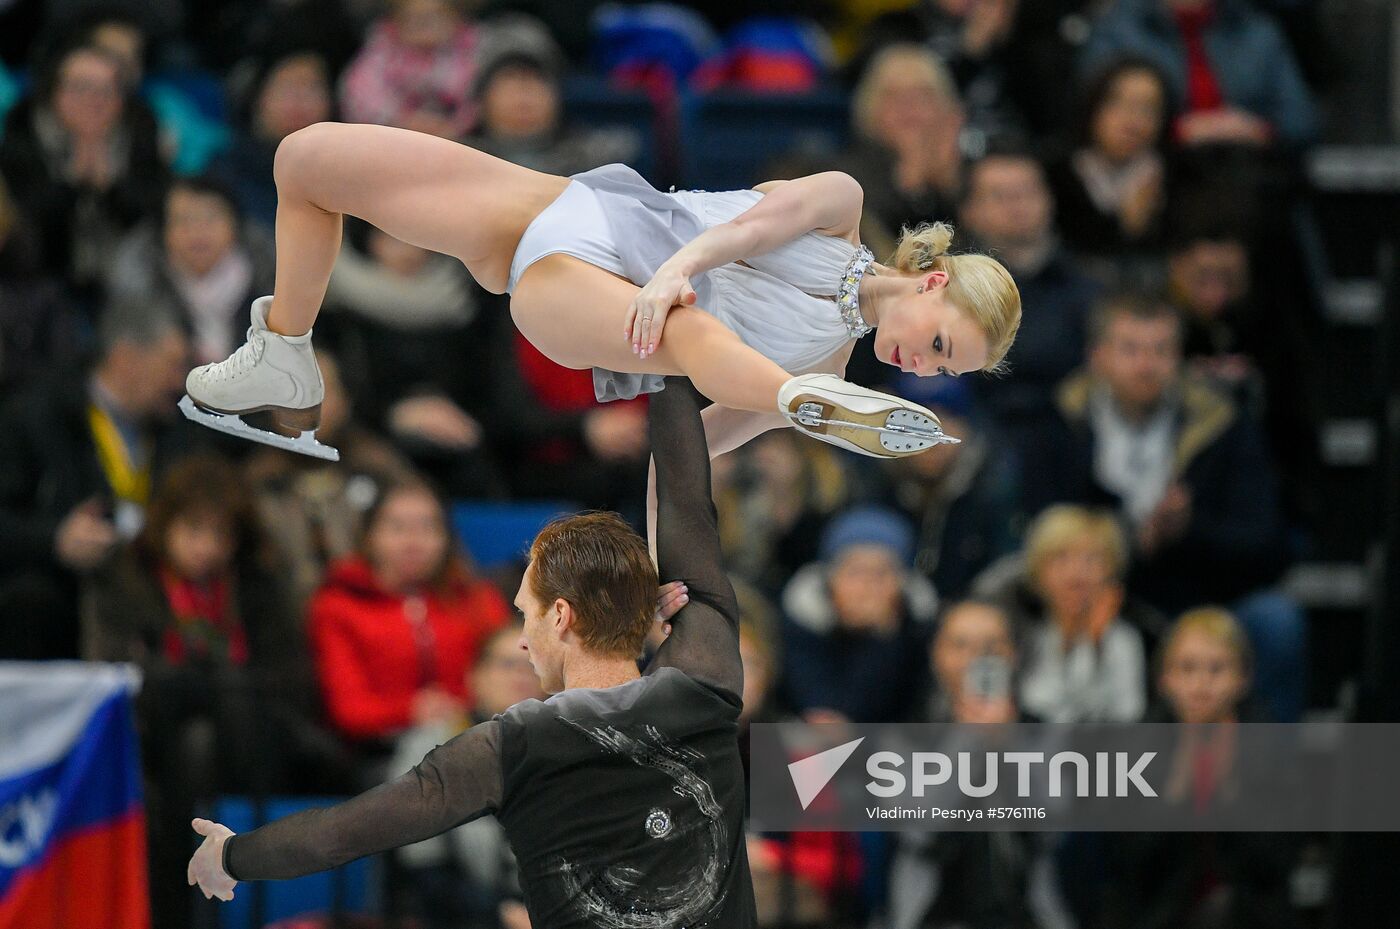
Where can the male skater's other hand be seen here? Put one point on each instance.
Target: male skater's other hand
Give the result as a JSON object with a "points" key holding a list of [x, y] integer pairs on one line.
{"points": [[646, 317], [207, 864]]}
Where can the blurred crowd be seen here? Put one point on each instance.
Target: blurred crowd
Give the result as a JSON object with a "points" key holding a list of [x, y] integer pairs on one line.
{"points": [[1106, 544]]}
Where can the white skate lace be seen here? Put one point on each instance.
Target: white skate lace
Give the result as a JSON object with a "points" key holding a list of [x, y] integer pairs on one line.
{"points": [[241, 361]]}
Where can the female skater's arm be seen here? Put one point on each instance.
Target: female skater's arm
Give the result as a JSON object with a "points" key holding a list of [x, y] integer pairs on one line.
{"points": [[454, 783], [704, 639], [829, 202]]}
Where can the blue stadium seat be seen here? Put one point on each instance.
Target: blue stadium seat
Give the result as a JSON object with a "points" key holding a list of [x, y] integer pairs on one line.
{"points": [[498, 533], [360, 881], [591, 102], [728, 138]]}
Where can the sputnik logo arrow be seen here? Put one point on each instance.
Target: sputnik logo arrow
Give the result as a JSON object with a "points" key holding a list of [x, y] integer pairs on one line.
{"points": [[811, 774]]}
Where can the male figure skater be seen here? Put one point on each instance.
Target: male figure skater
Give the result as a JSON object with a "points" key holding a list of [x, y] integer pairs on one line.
{"points": [[622, 794]]}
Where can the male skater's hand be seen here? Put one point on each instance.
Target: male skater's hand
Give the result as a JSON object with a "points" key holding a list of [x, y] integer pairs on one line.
{"points": [[207, 865]]}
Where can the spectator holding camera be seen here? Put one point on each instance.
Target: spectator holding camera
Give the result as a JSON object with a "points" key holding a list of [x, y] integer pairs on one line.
{"points": [[946, 879], [974, 662]]}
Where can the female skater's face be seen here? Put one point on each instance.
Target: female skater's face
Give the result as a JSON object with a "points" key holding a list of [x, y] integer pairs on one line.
{"points": [[408, 541], [924, 334]]}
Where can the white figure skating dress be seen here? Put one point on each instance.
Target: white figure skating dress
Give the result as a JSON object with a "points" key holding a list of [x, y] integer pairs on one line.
{"points": [[797, 305]]}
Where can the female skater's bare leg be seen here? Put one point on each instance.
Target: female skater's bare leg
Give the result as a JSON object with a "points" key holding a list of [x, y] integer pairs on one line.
{"points": [[427, 191]]}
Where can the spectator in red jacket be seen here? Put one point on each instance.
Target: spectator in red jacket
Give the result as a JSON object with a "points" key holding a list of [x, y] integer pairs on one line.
{"points": [[395, 628]]}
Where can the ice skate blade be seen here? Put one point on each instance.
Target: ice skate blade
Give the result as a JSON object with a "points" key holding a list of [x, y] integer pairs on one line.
{"points": [[887, 434], [231, 424]]}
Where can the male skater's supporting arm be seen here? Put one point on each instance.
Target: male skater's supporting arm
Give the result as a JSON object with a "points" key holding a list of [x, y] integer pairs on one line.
{"points": [[704, 639], [455, 783]]}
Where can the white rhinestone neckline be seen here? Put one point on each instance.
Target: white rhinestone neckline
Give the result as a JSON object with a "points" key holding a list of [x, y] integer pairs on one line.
{"points": [[848, 294]]}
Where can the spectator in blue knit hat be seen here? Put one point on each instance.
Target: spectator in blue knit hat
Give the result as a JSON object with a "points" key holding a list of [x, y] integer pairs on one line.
{"points": [[857, 623], [962, 500]]}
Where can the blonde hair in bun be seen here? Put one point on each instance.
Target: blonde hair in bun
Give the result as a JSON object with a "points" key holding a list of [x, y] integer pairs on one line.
{"points": [[977, 284]]}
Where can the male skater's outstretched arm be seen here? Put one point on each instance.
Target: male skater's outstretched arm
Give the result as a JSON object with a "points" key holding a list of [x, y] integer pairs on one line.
{"points": [[704, 639]]}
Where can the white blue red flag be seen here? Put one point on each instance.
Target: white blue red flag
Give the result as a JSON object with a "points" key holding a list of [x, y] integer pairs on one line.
{"points": [[72, 826]]}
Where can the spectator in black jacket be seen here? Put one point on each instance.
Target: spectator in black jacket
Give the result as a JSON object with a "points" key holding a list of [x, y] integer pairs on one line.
{"points": [[1187, 472], [1008, 208], [78, 454], [1111, 187], [39, 327], [82, 158], [963, 499]]}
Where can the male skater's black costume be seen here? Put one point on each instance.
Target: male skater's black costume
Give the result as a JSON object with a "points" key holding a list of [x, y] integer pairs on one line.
{"points": [[624, 805]]}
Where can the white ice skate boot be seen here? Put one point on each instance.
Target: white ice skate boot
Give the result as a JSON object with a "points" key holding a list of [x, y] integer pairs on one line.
{"points": [[861, 420], [269, 374]]}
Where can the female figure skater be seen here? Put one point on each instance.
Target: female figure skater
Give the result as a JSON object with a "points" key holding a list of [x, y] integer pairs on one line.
{"points": [[748, 287]]}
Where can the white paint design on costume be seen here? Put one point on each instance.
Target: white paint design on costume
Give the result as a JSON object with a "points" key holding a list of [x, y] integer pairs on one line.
{"points": [[610, 899]]}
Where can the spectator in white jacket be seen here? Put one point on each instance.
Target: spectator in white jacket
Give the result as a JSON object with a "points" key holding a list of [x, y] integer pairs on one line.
{"points": [[1083, 662]]}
